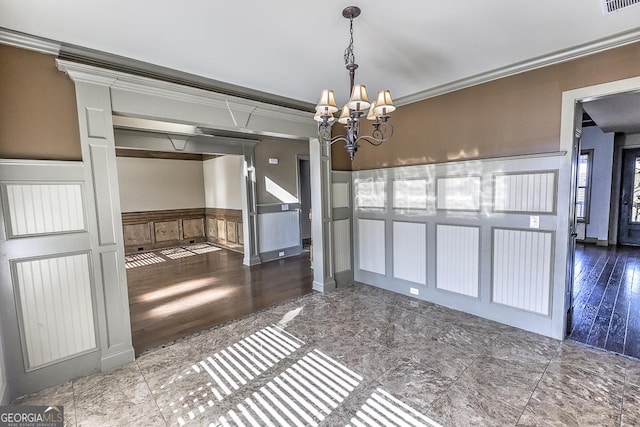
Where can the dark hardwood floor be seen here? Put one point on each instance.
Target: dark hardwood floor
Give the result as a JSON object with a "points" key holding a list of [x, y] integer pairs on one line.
{"points": [[606, 294], [178, 297]]}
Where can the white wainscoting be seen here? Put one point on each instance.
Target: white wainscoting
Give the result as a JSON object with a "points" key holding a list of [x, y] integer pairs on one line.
{"points": [[410, 194], [458, 259], [370, 193], [514, 277], [410, 251], [55, 307], [371, 242], [525, 192], [34, 209], [278, 230], [522, 269], [342, 245], [3, 375], [340, 193], [458, 193]]}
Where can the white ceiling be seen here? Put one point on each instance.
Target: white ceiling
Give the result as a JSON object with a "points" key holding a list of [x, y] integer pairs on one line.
{"points": [[294, 48]]}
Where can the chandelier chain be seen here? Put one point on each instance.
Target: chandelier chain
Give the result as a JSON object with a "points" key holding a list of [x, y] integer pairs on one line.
{"points": [[349, 56]]}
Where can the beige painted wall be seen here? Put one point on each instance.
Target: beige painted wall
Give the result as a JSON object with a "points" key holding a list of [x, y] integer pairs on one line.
{"points": [[159, 184], [278, 183], [38, 115], [509, 116], [223, 182]]}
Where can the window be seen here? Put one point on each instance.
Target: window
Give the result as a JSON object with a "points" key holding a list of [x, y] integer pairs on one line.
{"points": [[584, 185]]}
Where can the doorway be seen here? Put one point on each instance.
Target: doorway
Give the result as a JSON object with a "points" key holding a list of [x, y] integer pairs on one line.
{"points": [[605, 289], [182, 216], [629, 222], [304, 189]]}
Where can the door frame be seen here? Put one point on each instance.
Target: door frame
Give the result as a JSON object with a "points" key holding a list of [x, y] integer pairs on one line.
{"points": [[567, 131]]}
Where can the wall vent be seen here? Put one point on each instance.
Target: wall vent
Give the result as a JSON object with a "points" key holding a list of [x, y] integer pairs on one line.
{"points": [[609, 6]]}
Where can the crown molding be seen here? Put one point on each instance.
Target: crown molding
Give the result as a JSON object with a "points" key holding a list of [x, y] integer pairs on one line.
{"points": [[565, 55], [79, 72], [26, 41]]}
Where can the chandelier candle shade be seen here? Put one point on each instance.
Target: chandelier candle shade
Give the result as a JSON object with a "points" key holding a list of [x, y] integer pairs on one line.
{"points": [[356, 108]]}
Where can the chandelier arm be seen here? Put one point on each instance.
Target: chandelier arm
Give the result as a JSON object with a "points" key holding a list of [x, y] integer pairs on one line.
{"points": [[328, 142], [372, 140]]}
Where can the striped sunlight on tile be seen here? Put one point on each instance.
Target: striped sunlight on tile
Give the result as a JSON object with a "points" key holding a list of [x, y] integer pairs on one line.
{"points": [[302, 395], [382, 409], [235, 366]]}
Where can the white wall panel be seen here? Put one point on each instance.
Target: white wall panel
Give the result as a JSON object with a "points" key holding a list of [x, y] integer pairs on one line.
{"points": [[522, 269], [458, 193], [370, 194], [410, 193], [457, 259], [410, 251], [371, 243], [340, 194], [278, 230], [56, 310], [527, 192], [342, 245], [44, 208]]}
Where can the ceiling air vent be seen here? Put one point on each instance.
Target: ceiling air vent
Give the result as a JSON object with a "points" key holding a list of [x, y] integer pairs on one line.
{"points": [[609, 6]]}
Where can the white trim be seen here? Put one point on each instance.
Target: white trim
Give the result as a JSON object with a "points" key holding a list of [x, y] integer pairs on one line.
{"points": [[26, 41], [129, 82], [565, 55]]}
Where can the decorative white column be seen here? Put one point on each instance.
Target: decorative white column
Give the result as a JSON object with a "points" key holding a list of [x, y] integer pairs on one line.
{"points": [[105, 222], [321, 223]]}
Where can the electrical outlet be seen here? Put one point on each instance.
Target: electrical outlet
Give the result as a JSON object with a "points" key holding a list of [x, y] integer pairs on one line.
{"points": [[281, 253], [534, 221], [284, 207], [414, 291]]}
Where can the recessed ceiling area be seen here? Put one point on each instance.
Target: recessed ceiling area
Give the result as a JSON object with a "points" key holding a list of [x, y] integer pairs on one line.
{"points": [[295, 49], [617, 113]]}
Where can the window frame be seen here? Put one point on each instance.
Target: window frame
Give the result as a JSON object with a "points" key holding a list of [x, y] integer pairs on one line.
{"points": [[587, 193]]}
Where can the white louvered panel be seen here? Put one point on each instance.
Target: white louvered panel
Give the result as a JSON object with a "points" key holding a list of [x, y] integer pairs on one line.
{"points": [[530, 192], [371, 244], [410, 194], [457, 259], [55, 307], [342, 245], [458, 193], [44, 208], [340, 194], [522, 269], [410, 251], [370, 194], [278, 230]]}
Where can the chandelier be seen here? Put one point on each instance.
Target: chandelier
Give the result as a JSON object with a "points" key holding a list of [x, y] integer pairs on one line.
{"points": [[355, 109]]}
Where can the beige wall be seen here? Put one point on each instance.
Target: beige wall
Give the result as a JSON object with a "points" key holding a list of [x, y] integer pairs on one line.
{"points": [[510, 116], [38, 117], [223, 182], [159, 184], [278, 183]]}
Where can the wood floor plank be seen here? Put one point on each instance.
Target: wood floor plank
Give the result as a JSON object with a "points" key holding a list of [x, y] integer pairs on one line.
{"points": [[618, 324], [179, 297], [600, 328], [587, 309], [607, 298]]}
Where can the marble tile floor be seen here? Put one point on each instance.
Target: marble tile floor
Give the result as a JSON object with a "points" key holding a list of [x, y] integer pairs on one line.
{"points": [[359, 356]]}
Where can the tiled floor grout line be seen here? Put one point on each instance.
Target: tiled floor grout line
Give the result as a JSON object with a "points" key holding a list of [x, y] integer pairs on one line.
{"points": [[155, 401], [75, 404], [538, 383], [624, 387]]}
